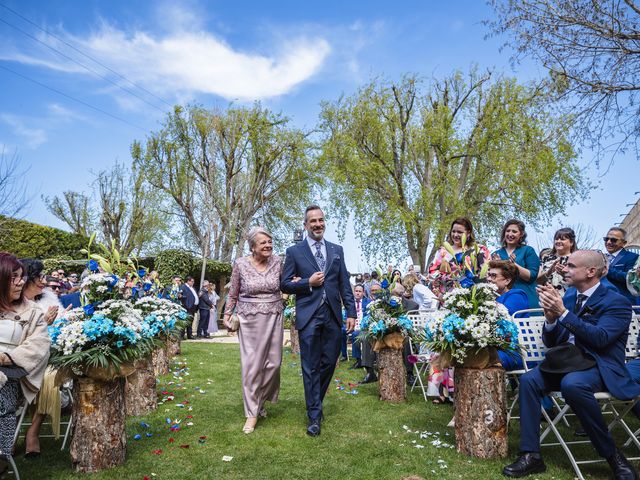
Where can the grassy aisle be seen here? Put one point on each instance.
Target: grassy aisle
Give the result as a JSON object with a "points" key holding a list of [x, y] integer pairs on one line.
{"points": [[361, 437]]}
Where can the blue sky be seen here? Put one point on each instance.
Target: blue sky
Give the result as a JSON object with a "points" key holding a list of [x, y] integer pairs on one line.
{"points": [[289, 55]]}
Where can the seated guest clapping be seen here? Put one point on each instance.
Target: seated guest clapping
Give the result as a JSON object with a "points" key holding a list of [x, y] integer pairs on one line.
{"points": [[24, 349], [503, 274], [599, 320]]}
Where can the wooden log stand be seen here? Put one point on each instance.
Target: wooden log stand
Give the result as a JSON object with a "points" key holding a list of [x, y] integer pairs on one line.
{"points": [[160, 359], [392, 375], [173, 347], [140, 389], [481, 412], [99, 440], [295, 340]]}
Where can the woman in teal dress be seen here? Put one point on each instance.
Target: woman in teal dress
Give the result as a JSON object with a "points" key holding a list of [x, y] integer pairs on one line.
{"points": [[515, 249]]}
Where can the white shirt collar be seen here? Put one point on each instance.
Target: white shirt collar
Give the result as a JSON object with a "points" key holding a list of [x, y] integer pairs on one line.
{"points": [[590, 291], [615, 254], [312, 243]]}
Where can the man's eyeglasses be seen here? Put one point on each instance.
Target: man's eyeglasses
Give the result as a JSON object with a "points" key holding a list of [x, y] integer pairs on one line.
{"points": [[54, 287], [610, 239]]}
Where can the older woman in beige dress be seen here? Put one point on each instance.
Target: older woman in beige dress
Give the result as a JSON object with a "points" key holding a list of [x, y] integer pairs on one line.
{"points": [[255, 296]]}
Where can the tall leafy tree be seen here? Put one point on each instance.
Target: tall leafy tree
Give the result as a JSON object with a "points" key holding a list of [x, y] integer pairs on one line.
{"points": [[224, 170], [405, 159], [591, 49], [125, 213]]}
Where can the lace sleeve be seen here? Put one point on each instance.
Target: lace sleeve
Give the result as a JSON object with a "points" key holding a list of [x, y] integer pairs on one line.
{"points": [[234, 289]]}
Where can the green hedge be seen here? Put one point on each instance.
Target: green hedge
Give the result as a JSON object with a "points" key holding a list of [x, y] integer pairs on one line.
{"points": [[180, 262], [30, 240]]}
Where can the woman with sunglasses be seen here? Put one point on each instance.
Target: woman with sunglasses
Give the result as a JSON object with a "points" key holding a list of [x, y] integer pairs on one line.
{"points": [[24, 349]]}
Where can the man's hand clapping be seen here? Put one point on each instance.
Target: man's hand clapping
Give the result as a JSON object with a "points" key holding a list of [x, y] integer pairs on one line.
{"points": [[551, 302]]}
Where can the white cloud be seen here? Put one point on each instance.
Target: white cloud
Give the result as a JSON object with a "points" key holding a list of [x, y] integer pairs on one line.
{"points": [[32, 137], [184, 61]]}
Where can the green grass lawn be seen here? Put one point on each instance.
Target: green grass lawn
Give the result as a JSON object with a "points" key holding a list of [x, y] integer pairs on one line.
{"points": [[362, 437]]}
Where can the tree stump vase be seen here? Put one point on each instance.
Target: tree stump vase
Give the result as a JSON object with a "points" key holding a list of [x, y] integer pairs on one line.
{"points": [[160, 359], [99, 440], [140, 389], [481, 412], [391, 375], [295, 340], [173, 347]]}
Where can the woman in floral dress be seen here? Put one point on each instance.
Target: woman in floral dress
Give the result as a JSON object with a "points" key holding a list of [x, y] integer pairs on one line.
{"points": [[255, 296]]}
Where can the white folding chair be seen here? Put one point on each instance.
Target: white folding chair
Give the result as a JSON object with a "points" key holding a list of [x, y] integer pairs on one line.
{"points": [[419, 319], [20, 413], [68, 424], [618, 409]]}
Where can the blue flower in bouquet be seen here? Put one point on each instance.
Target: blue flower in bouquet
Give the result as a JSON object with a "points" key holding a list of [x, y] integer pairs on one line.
{"points": [[405, 323], [89, 309], [467, 282], [147, 286], [113, 281], [428, 334], [364, 323], [182, 315], [119, 344], [508, 330], [385, 283], [378, 328], [92, 265], [142, 272], [393, 302], [451, 325]]}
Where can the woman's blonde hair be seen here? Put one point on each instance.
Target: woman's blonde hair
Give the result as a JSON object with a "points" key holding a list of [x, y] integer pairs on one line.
{"points": [[253, 233]]}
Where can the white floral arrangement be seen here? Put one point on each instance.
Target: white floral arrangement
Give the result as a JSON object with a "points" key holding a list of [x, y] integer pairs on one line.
{"points": [[471, 319]]}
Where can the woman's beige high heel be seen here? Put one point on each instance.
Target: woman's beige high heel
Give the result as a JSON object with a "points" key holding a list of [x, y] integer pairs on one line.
{"points": [[250, 425]]}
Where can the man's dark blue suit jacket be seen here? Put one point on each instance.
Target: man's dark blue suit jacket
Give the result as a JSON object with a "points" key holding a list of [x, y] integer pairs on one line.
{"points": [[300, 262], [617, 274], [600, 329]]}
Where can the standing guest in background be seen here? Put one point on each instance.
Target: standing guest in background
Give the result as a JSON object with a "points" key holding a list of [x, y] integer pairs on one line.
{"points": [[461, 229], [255, 296], [366, 283], [189, 298], [24, 345], [205, 306], [212, 328], [53, 284], [321, 292], [620, 259], [554, 261], [515, 249]]}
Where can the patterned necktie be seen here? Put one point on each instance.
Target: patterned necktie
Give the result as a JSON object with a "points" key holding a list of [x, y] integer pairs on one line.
{"points": [[579, 303], [611, 258], [319, 256]]}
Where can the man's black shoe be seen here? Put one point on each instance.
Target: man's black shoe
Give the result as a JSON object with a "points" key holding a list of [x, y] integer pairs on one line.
{"points": [[525, 464], [622, 469], [344, 359], [369, 378], [411, 379], [313, 430], [190, 337], [355, 365]]}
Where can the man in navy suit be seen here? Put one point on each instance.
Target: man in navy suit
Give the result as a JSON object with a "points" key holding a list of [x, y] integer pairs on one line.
{"points": [[314, 270], [598, 319], [620, 260], [190, 300]]}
